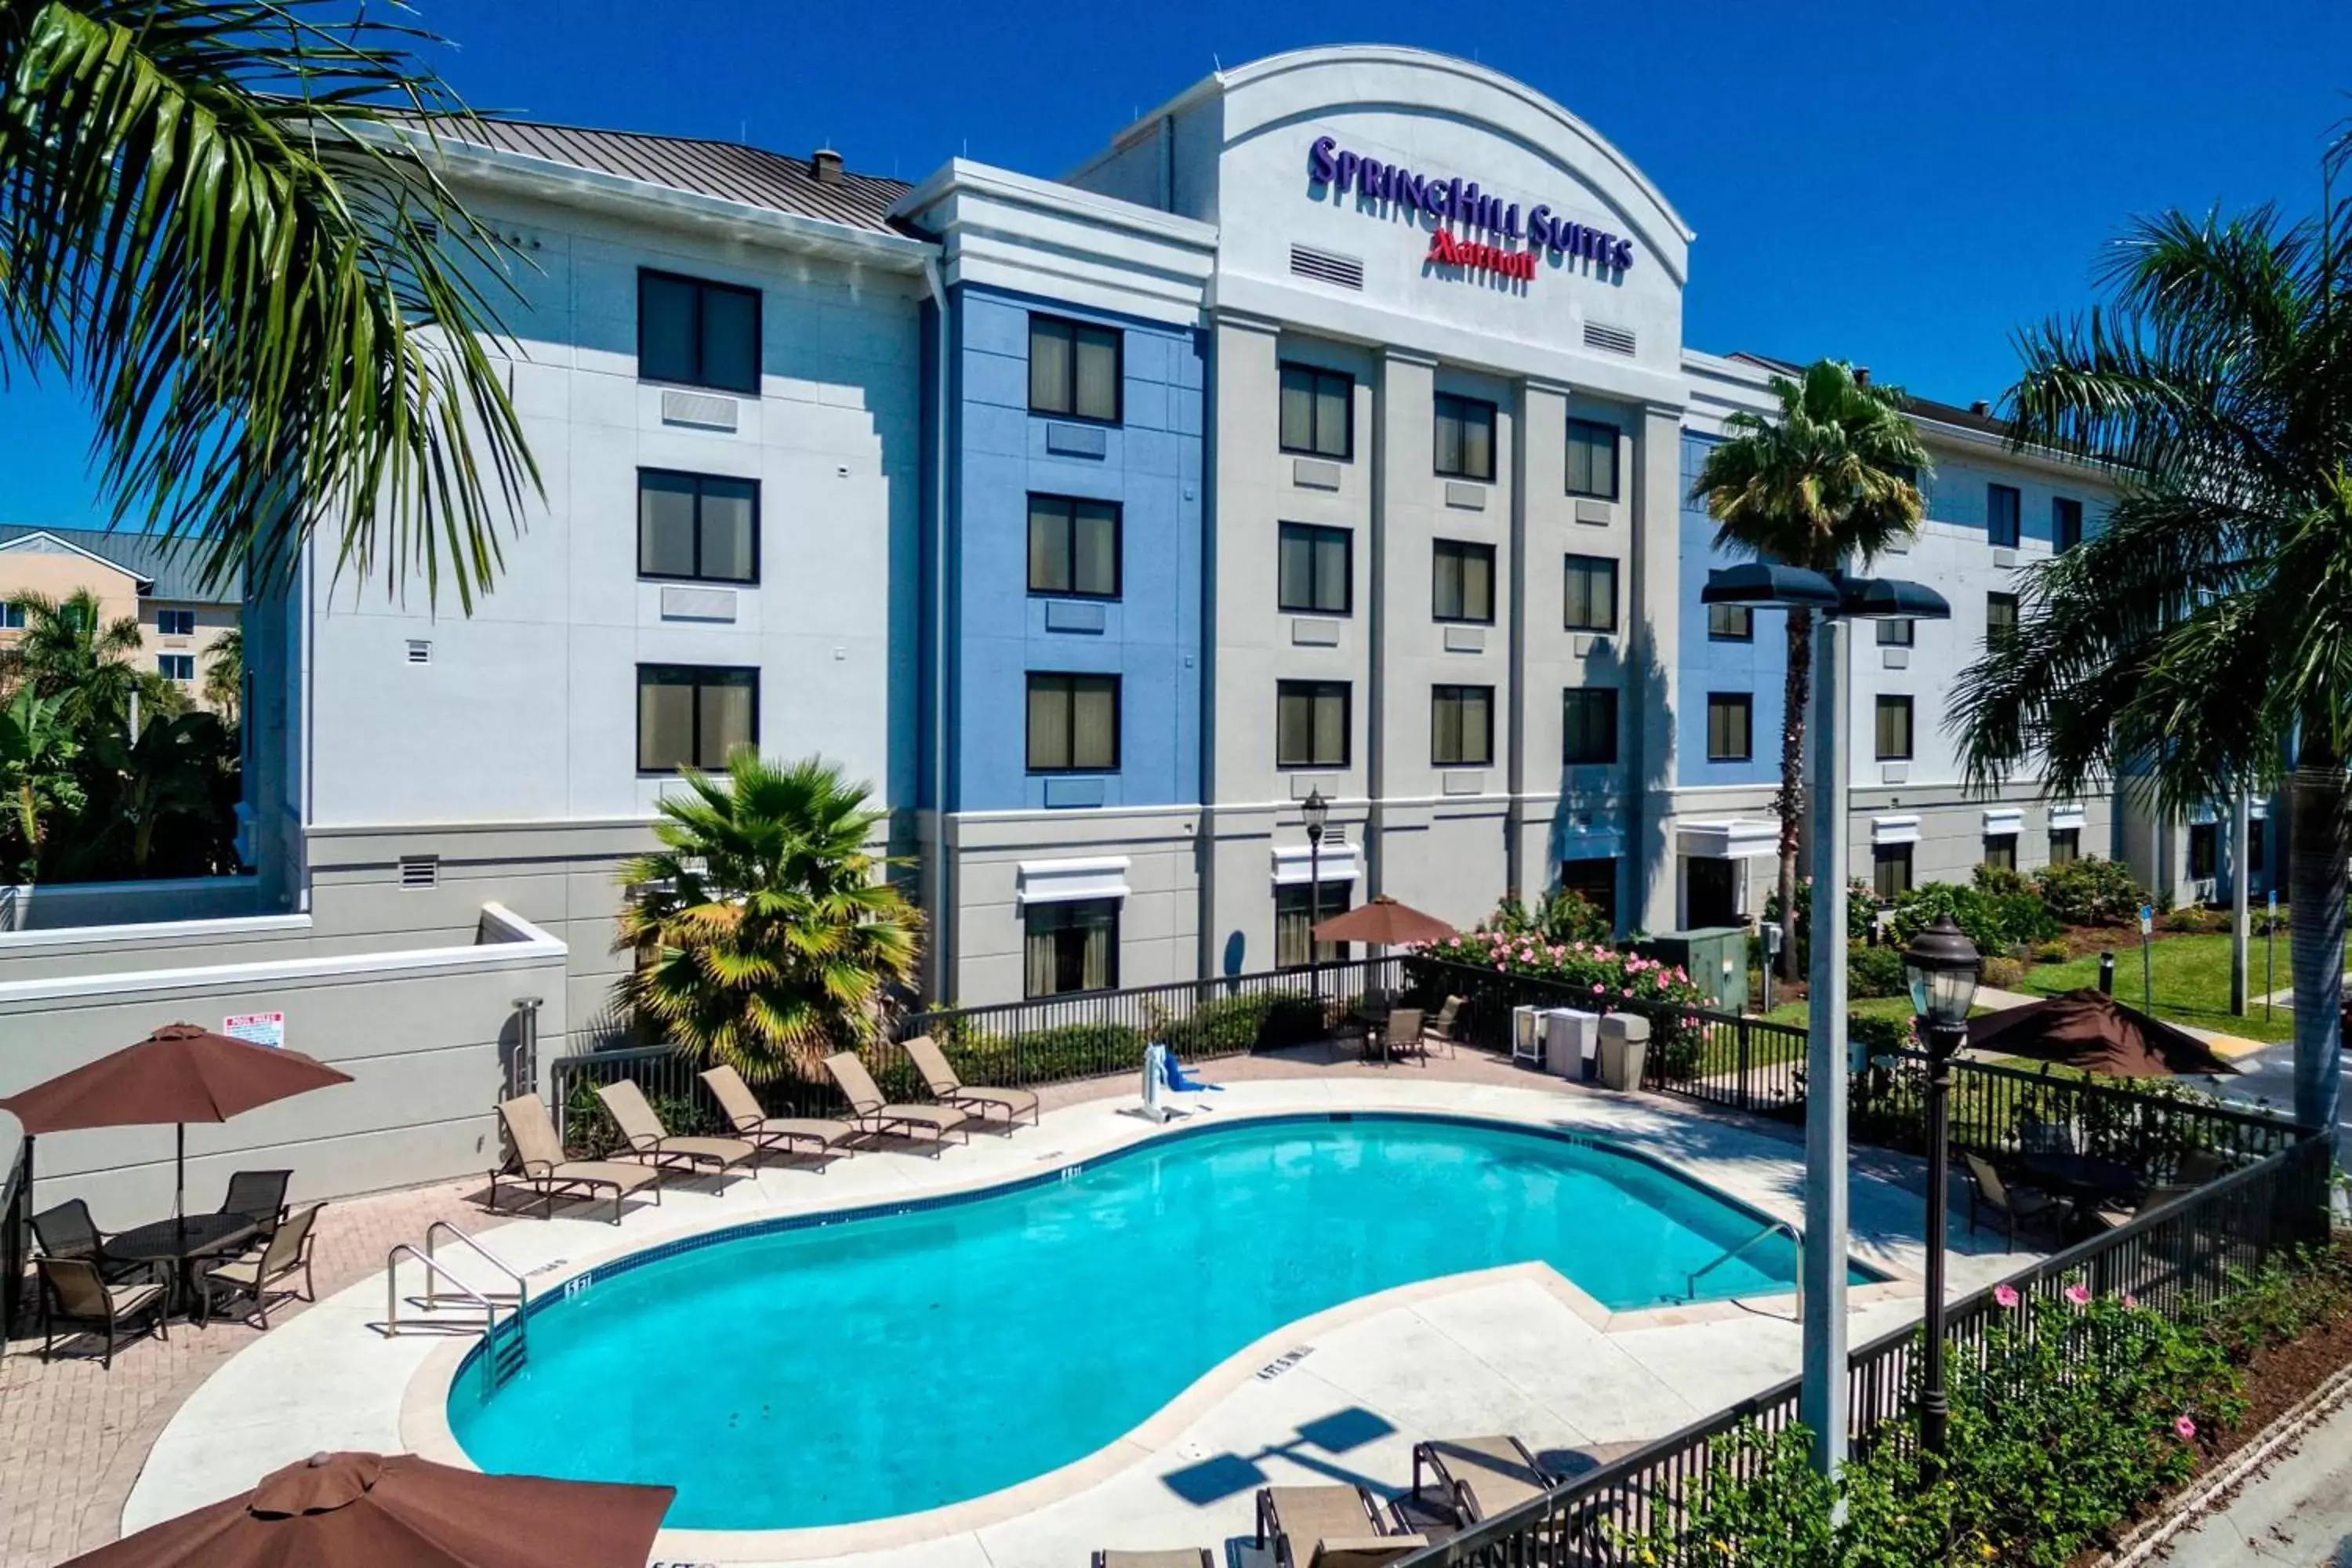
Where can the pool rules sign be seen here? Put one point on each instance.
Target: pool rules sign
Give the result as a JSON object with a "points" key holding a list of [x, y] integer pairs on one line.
{"points": [[262, 1029]]}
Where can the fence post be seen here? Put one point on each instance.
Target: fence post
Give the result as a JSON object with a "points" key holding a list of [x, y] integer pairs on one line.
{"points": [[1740, 1092]]}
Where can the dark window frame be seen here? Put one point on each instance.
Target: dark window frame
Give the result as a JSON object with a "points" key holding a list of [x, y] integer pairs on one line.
{"points": [[1896, 703], [1334, 900], [672, 771], [1460, 693], [1746, 614], [186, 629], [1118, 335], [2016, 529], [1317, 374], [1461, 550], [1897, 631], [1745, 702], [2073, 839], [1029, 680], [1312, 690], [2000, 634], [1883, 858], [1570, 566], [697, 575], [1061, 910], [2066, 523], [701, 287], [2002, 844], [1463, 404], [2203, 849], [163, 662], [1590, 428], [1348, 580], [1070, 541], [1603, 697]]}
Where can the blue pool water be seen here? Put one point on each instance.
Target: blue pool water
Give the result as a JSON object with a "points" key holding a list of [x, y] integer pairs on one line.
{"points": [[823, 1374]]}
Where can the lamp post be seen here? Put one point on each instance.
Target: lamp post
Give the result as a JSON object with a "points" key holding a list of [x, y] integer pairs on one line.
{"points": [[1316, 811], [1942, 966]]}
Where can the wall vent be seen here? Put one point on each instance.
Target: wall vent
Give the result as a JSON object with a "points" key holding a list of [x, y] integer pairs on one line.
{"points": [[419, 651], [1326, 266], [1615, 340], [420, 871]]}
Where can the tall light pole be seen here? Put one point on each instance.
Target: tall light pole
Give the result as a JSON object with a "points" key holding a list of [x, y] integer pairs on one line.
{"points": [[1942, 966], [1316, 811]]}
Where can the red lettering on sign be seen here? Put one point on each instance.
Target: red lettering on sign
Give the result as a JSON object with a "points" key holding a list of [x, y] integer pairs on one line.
{"points": [[1448, 251]]}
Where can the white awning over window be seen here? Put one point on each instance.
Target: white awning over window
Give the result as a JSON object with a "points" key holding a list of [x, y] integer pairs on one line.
{"points": [[1065, 881], [1894, 830], [2003, 819], [1295, 866], [2069, 814], [1736, 838]]}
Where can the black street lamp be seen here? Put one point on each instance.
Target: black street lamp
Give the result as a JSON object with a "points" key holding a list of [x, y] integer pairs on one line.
{"points": [[1316, 811], [1942, 965]]}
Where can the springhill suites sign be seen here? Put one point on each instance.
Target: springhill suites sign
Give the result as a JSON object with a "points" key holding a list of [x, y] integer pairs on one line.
{"points": [[1465, 206]]}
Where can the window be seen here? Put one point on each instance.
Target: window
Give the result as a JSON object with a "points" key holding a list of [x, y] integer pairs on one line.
{"points": [[1295, 908], [1073, 370], [1589, 726], [1072, 724], [2066, 845], [1890, 870], [1897, 633], [1731, 623], [691, 715], [1591, 460], [12, 617], [1894, 729], [1730, 726], [697, 526], [1310, 724], [1070, 947], [2066, 523], [1317, 412], [177, 623], [1466, 438], [1316, 571], [176, 665], [2204, 850], [698, 333], [1461, 581], [2000, 851], [1595, 881], [2001, 618], [1073, 547], [1591, 595], [1461, 726], [2001, 515], [2255, 859]]}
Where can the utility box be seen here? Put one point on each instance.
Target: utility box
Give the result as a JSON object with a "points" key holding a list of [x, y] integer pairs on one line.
{"points": [[1714, 957], [1625, 1049]]}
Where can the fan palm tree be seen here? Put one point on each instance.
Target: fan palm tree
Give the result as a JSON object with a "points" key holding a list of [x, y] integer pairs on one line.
{"points": [[223, 684], [1832, 476], [2204, 636], [765, 932], [68, 650], [209, 226]]}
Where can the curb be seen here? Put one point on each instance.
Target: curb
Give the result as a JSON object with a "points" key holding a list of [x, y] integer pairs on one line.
{"points": [[2187, 1507]]}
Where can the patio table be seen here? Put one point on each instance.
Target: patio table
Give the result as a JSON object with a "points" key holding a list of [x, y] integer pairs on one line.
{"points": [[183, 1243], [2080, 1176]]}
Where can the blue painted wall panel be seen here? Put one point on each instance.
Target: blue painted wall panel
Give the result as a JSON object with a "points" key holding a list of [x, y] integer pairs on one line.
{"points": [[1760, 668]]}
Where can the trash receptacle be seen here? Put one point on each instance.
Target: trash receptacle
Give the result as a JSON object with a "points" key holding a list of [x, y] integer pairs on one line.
{"points": [[1624, 1046], [1568, 1038]]}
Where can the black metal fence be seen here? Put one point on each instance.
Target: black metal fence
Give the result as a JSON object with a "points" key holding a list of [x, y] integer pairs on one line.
{"points": [[15, 1236]]}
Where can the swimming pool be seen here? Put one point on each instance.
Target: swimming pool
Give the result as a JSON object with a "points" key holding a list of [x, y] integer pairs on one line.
{"points": [[795, 1374]]}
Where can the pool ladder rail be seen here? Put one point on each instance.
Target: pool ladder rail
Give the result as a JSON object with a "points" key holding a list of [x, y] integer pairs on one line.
{"points": [[1772, 1227], [506, 1340]]}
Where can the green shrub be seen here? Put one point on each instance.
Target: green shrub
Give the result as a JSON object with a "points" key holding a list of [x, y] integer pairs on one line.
{"points": [[1047, 1056], [2195, 920], [2002, 973], [2090, 891], [2000, 881], [1995, 921], [2283, 1300], [1226, 1025], [1863, 905], [2051, 952], [1874, 972]]}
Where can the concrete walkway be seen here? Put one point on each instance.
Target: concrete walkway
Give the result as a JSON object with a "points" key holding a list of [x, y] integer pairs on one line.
{"points": [[2298, 1512]]}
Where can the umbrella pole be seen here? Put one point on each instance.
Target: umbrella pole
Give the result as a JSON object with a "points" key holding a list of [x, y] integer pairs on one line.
{"points": [[179, 1174]]}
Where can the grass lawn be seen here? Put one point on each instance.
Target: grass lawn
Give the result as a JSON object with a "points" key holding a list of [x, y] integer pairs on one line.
{"points": [[2190, 976], [1894, 1007]]}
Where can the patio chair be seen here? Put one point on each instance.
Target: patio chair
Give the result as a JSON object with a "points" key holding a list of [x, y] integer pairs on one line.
{"points": [[1328, 1527], [2035, 1136], [1190, 1557], [67, 1231], [1481, 1476], [769, 1133], [288, 1252], [2149, 1202], [1441, 1029], [2021, 1207], [875, 1114], [539, 1154], [940, 1078], [260, 1196], [1402, 1034], [74, 1291], [2200, 1166], [651, 1142]]}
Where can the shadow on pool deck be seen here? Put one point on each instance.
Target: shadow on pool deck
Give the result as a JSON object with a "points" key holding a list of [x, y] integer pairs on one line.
{"points": [[1222, 1476]]}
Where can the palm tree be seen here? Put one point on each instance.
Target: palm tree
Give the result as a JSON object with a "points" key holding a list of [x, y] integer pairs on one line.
{"points": [[224, 686], [38, 777], [68, 650], [2204, 636], [1832, 476], [211, 227], [765, 932]]}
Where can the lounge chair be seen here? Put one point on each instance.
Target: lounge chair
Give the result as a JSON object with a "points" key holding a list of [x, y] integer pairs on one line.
{"points": [[650, 1141], [288, 1252], [540, 1154], [1328, 1527], [875, 1114], [2200, 1166], [2023, 1206], [67, 1231], [1481, 1476], [940, 1078], [744, 1114], [74, 1291], [1190, 1557], [2151, 1200]]}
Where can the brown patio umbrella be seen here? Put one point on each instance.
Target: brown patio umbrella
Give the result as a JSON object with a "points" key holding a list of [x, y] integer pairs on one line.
{"points": [[179, 1074], [1384, 921], [2092, 1031], [365, 1510]]}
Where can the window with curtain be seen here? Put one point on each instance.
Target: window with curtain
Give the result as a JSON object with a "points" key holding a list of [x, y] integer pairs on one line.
{"points": [[1315, 571], [1730, 727], [698, 333], [1588, 725], [1074, 369], [1073, 547], [1462, 580], [2066, 845], [1310, 724], [1894, 729], [2255, 859], [1294, 919], [1072, 724], [2066, 523], [1896, 633], [2001, 618], [2204, 850], [698, 527], [1466, 438], [1890, 870], [2000, 851], [1731, 623], [691, 715], [1592, 603], [1591, 460], [1070, 947], [2001, 514], [1461, 726], [1317, 412]]}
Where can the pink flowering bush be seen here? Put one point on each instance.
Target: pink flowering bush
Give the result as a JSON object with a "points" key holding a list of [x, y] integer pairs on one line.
{"points": [[1592, 975]]}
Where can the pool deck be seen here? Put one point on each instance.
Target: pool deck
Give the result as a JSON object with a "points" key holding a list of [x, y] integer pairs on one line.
{"points": [[1342, 1396]]}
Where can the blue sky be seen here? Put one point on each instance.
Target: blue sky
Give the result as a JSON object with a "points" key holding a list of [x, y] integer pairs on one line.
{"points": [[1899, 184]]}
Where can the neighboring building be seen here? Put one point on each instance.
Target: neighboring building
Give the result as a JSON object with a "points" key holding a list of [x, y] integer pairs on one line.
{"points": [[135, 575]]}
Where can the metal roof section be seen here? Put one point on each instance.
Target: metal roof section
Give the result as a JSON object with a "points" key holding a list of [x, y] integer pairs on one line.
{"points": [[165, 568]]}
